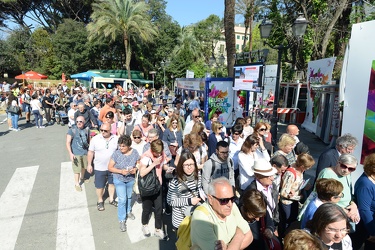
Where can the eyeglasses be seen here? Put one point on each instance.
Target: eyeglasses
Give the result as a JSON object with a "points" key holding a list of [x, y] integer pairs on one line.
{"points": [[224, 201], [79, 121], [174, 122], [339, 196], [125, 102], [335, 230], [236, 133], [262, 129], [136, 137], [103, 130], [109, 117], [343, 166], [162, 120], [197, 116], [220, 127], [188, 165]]}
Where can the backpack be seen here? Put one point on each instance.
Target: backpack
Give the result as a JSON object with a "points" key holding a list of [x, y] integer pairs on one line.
{"points": [[183, 233], [214, 167]]}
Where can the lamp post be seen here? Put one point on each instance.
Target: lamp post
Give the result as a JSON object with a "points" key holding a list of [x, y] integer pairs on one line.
{"points": [[164, 64], [153, 78], [299, 27]]}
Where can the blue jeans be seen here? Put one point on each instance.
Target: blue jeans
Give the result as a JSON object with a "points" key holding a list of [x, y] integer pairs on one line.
{"points": [[15, 118], [38, 118], [124, 191]]}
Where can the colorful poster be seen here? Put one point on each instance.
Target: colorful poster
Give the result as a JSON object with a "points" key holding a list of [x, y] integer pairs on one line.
{"points": [[368, 145], [197, 84], [220, 98], [247, 77], [319, 73]]}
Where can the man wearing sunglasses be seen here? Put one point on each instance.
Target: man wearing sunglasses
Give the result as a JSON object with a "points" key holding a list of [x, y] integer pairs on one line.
{"points": [[102, 146], [77, 144], [345, 144], [219, 224], [195, 117]]}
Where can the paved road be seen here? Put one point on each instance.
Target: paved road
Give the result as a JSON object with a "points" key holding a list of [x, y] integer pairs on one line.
{"points": [[39, 207]]}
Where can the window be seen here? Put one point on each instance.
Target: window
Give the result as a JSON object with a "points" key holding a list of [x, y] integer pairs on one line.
{"points": [[238, 37], [243, 37], [237, 46], [221, 49]]}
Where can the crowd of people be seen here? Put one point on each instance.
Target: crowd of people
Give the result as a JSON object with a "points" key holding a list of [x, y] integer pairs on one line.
{"points": [[241, 191]]}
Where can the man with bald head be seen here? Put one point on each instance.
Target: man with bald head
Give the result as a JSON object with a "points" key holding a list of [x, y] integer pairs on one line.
{"points": [[102, 146], [293, 131], [195, 117]]}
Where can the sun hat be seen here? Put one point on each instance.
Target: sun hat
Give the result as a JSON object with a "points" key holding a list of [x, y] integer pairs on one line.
{"points": [[264, 167], [135, 103]]}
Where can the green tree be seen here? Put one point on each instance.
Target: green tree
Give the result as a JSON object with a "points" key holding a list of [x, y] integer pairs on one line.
{"points": [[208, 33], [121, 18]]}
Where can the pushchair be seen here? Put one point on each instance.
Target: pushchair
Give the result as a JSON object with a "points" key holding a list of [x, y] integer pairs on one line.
{"points": [[61, 116]]}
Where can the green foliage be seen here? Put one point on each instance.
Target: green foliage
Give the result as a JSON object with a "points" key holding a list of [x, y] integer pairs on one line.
{"points": [[121, 19]]}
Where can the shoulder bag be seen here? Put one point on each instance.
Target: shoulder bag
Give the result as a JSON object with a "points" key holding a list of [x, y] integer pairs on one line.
{"points": [[149, 184]]}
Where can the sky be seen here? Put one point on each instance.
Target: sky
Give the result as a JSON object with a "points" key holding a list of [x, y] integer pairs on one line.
{"points": [[187, 12]]}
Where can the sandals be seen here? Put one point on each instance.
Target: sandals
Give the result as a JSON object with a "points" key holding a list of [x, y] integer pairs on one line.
{"points": [[113, 203], [100, 206]]}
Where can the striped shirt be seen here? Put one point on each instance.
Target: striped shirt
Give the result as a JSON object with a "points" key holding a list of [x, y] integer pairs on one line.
{"points": [[179, 197]]}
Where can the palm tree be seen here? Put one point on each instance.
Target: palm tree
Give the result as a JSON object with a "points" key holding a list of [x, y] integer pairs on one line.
{"points": [[230, 39], [121, 18]]}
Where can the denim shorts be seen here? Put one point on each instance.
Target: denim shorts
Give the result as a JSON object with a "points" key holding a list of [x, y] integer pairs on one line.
{"points": [[101, 178]]}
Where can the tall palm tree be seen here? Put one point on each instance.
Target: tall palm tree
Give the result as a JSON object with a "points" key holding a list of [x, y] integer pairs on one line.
{"points": [[121, 18], [230, 39]]}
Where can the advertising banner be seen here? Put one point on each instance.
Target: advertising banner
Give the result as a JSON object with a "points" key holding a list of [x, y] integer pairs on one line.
{"points": [[248, 77], [197, 84], [220, 101], [319, 73]]}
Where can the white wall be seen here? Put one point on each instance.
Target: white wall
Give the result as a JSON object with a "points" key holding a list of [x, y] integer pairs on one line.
{"points": [[360, 56]]}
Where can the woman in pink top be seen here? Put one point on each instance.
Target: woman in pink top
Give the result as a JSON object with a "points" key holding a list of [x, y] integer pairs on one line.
{"points": [[153, 158]]}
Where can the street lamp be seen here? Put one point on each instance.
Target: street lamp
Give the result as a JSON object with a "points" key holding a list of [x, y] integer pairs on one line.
{"points": [[220, 63], [164, 64], [298, 28], [153, 78]]}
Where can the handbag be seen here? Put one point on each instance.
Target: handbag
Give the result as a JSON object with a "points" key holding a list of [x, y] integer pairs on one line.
{"points": [[42, 112], [149, 184], [13, 109], [173, 150], [273, 243]]}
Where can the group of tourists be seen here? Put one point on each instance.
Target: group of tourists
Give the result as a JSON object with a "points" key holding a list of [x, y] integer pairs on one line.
{"points": [[238, 190]]}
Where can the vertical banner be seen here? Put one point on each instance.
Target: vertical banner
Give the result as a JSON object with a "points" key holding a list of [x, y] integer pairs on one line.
{"points": [[319, 74], [220, 101], [368, 145]]}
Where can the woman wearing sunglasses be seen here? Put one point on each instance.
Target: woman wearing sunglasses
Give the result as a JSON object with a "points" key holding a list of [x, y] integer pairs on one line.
{"points": [[173, 136], [216, 136], [183, 192], [261, 129], [346, 164]]}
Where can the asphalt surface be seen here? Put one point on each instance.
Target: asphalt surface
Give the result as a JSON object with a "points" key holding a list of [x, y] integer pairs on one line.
{"points": [[39, 225]]}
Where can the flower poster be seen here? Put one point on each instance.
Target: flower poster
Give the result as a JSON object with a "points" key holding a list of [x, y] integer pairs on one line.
{"points": [[220, 101], [319, 73], [368, 145]]}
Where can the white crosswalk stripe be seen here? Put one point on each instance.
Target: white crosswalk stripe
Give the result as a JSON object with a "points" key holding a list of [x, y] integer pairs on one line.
{"points": [[13, 203], [74, 229]]}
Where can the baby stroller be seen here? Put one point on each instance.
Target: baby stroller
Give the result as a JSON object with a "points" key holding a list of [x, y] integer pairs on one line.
{"points": [[61, 115]]}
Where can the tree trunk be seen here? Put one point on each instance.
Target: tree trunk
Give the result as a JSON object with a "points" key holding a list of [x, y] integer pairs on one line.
{"points": [[128, 56], [340, 8], [230, 39]]}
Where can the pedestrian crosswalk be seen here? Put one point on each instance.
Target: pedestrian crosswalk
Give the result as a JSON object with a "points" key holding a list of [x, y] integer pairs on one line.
{"points": [[13, 203], [74, 227], [72, 210]]}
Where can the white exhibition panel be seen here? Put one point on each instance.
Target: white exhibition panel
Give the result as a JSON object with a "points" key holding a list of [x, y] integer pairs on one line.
{"points": [[360, 57]]}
